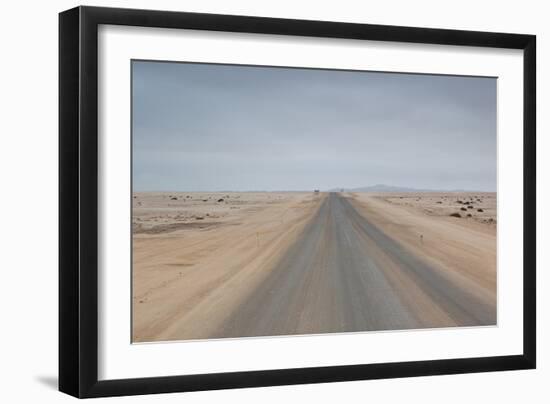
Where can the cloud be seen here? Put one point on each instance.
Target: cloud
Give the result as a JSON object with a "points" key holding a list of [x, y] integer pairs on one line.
{"points": [[227, 127]]}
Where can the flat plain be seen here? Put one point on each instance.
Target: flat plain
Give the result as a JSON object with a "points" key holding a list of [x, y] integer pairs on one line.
{"points": [[226, 264]]}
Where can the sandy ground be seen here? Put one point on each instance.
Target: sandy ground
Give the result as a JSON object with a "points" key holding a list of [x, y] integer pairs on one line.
{"points": [[249, 264], [477, 206], [195, 255], [464, 248]]}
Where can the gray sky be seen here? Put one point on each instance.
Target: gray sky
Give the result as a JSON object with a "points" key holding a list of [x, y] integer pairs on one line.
{"points": [[200, 127]]}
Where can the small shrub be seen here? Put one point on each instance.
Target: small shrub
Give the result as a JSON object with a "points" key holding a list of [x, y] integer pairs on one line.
{"points": [[464, 209], [456, 214], [480, 210]]}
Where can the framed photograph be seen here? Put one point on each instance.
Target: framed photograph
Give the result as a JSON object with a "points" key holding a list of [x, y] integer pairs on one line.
{"points": [[250, 201]]}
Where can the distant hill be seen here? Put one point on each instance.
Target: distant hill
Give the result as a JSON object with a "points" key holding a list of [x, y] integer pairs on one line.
{"points": [[389, 188]]}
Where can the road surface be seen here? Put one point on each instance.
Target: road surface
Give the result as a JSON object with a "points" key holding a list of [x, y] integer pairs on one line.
{"points": [[344, 274]]}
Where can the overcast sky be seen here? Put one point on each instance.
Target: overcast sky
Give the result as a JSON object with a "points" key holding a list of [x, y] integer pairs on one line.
{"points": [[201, 127]]}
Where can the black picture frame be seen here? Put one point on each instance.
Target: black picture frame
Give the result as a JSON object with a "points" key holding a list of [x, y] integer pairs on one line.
{"points": [[78, 201]]}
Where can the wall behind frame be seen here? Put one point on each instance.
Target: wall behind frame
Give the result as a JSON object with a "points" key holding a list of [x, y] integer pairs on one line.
{"points": [[28, 167]]}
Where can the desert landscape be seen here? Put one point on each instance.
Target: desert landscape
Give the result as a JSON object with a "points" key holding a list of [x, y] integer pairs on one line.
{"points": [[244, 264]]}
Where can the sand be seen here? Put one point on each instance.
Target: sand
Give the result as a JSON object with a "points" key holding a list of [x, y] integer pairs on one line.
{"points": [[195, 257], [463, 248], [199, 258]]}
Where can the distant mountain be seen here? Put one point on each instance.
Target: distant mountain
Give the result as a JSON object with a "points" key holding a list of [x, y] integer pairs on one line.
{"points": [[389, 188]]}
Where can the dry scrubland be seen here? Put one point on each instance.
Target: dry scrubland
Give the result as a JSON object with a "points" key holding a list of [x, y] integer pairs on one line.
{"points": [[478, 206], [198, 258]]}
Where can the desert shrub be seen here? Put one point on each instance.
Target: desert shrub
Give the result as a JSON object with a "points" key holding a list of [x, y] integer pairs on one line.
{"points": [[456, 214]]}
